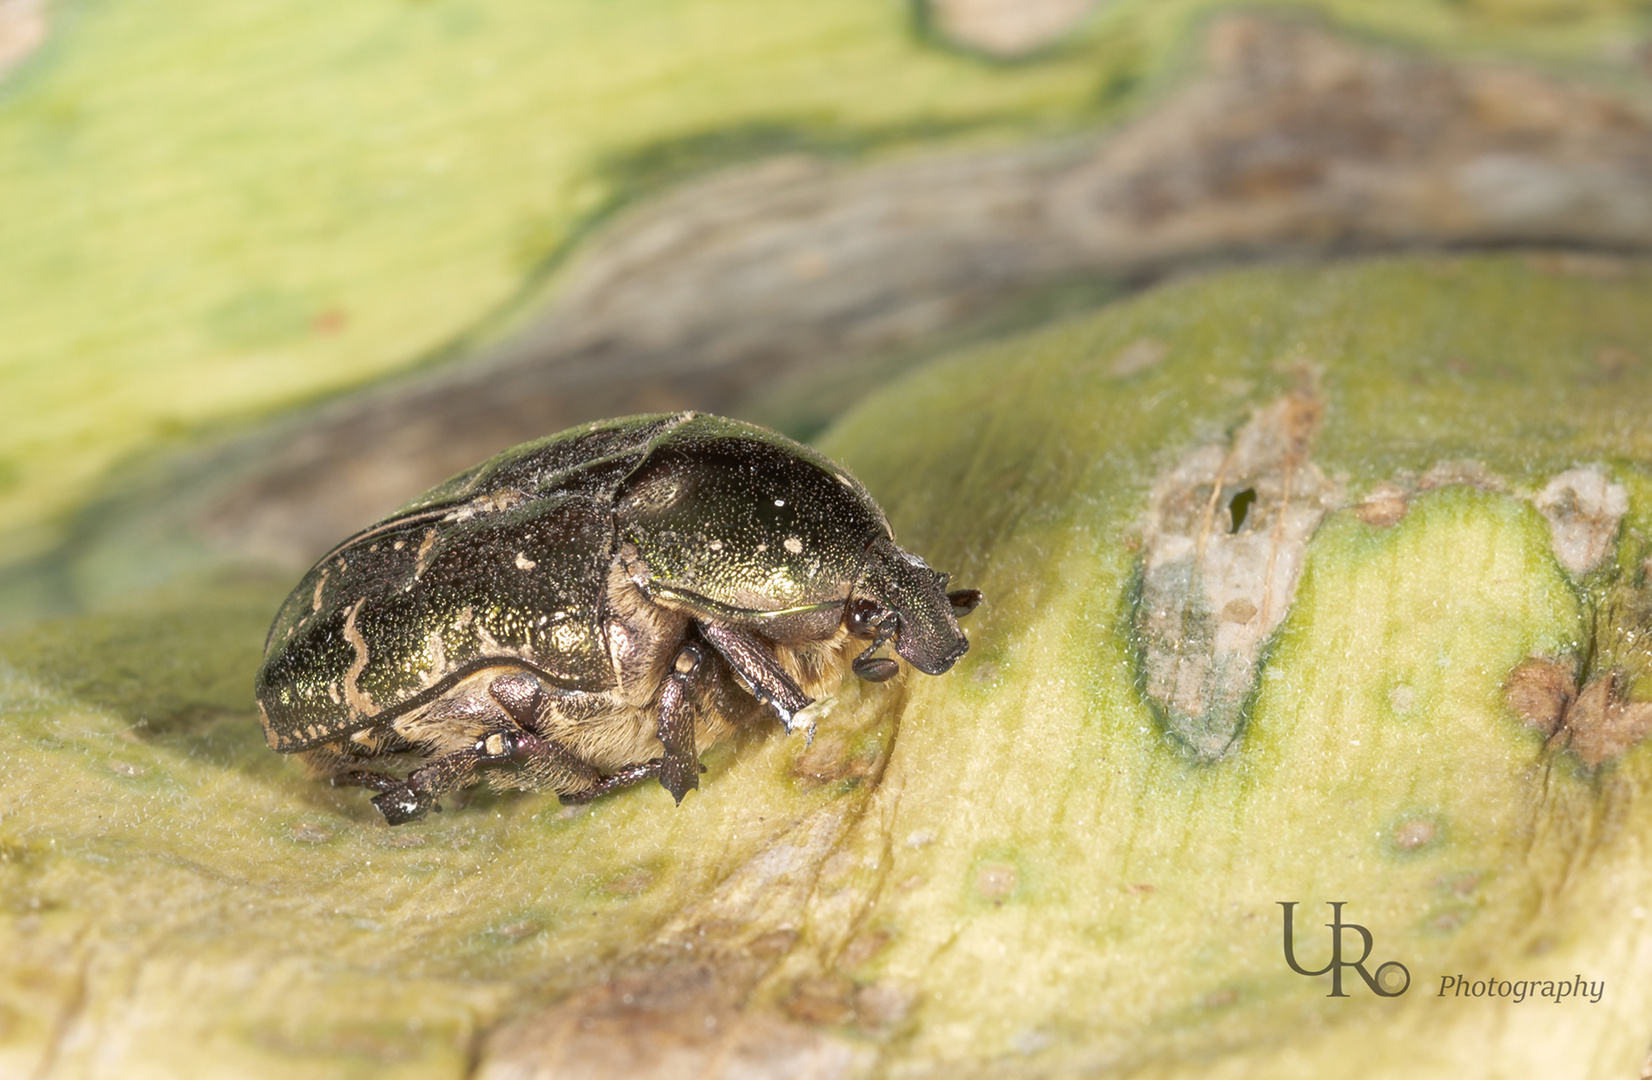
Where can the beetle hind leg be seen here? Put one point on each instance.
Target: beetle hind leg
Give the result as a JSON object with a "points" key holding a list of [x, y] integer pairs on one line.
{"points": [[679, 766]]}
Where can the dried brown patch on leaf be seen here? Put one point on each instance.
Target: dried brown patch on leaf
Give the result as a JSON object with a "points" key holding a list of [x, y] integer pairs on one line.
{"points": [[1601, 725], [1584, 507], [681, 1005], [1224, 543], [672, 1022], [1384, 505], [1539, 691], [1597, 723]]}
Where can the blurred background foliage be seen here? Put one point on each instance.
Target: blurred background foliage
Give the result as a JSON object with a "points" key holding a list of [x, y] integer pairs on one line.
{"points": [[216, 211]]}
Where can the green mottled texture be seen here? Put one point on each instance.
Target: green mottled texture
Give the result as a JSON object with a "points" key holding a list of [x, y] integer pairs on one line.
{"points": [[217, 211], [1142, 929], [1049, 880]]}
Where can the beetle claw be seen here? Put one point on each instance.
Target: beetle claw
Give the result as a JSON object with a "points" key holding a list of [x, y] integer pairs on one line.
{"points": [[401, 804]]}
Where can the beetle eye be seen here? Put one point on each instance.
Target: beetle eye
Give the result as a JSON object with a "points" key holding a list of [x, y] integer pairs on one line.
{"points": [[861, 618]]}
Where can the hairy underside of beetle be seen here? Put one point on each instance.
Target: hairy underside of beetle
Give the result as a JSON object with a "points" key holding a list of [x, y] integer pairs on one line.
{"points": [[595, 735]]}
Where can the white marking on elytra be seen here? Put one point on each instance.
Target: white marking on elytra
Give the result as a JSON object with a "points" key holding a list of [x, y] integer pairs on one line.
{"points": [[359, 700], [716, 545], [321, 582], [793, 545], [435, 651], [421, 564], [523, 562], [398, 545], [780, 502], [844, 480]]}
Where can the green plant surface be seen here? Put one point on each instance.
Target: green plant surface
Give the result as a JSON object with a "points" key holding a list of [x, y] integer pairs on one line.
{"points": [[214, 212], [1019, 851]]}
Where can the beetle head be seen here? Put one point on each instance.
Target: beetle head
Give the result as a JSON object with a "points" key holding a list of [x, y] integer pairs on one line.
{"points": [[901, 600]]}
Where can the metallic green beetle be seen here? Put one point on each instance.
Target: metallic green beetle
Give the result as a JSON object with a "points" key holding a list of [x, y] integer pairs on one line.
{"points": [[588, 610]]}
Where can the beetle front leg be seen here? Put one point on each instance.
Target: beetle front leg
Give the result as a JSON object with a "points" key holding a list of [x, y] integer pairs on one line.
{"points": [[753, 662]]}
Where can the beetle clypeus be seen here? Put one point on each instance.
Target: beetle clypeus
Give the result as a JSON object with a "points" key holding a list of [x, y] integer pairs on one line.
{"points": [[588, 610]]}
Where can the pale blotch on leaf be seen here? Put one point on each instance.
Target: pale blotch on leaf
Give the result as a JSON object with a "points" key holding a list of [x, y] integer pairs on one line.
{"points": [[1584, 508], [995, 881], [1008, 28], [1414, 833], [1226, 535]]}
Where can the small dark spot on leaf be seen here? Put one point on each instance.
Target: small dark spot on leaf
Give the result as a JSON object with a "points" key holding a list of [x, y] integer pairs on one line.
{"points": [[1239, 506]]}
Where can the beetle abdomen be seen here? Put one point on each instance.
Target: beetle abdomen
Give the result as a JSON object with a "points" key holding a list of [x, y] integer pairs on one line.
{"points": [[392, 616]]}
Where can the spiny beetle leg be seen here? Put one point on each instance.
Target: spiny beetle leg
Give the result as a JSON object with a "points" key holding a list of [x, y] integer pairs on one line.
{"points": [[680, 768], [753, 662], [625, 777]]}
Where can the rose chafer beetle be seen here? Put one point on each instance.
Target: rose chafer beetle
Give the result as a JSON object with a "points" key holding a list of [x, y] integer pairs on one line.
{"points": [[592, 609]]}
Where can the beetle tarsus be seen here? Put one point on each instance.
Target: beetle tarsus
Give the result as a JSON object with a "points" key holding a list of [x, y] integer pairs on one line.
{"points": [[402, 804], [755, 663], [963, 601]]}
